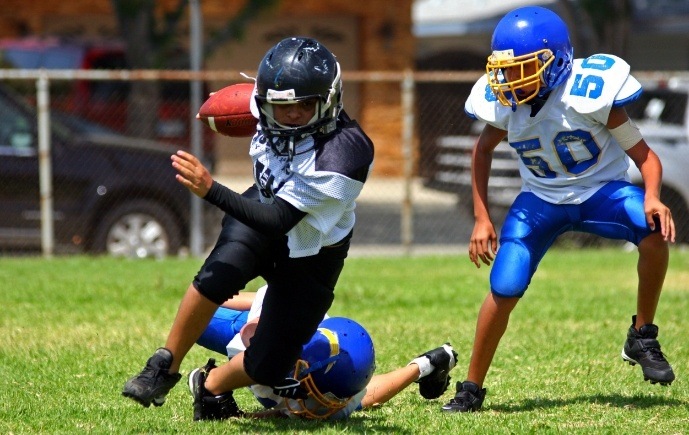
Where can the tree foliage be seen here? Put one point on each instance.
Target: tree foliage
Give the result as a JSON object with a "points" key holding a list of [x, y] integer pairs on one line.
{"points": [[154, 42], [601, 25]]}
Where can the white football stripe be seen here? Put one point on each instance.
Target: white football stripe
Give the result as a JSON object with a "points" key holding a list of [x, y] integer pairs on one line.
{"points": [[211, 123]]}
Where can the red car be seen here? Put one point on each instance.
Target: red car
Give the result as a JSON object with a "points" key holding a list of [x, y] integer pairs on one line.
{"points": [[105, 102]]}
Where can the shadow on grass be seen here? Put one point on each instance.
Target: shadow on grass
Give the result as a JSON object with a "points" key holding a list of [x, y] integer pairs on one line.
{"points": [[613, 400], [355, 424]]}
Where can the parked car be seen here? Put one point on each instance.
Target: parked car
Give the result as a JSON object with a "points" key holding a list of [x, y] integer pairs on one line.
{"points": [[662, 116], [103, 101], [111, 193]]}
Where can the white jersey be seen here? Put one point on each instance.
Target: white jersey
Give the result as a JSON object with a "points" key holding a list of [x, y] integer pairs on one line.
{"points": [[264, 394], [566, 152], [323, 180]]}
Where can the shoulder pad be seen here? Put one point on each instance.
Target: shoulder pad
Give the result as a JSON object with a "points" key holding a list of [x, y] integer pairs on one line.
{"points": [[631, 91], [598, 83], [483, 105]]}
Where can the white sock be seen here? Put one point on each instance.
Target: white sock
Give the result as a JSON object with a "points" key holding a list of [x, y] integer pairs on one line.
{"points": [[424, 364]]}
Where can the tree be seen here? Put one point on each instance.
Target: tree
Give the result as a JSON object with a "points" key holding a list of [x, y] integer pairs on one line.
{"points": [[154, 43], [602, 25]]}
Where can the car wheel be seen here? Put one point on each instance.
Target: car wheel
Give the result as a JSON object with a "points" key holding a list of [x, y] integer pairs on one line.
{"points": [[138, 229]]}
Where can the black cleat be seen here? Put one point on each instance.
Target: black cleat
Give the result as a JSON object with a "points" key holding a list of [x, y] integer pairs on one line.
{"points": [[154, 381], [443, 359], [208, 406], [469, 398], [642, 348]]}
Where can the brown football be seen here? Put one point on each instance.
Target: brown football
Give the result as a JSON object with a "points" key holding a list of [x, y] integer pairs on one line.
{"points": [[228, 112]]}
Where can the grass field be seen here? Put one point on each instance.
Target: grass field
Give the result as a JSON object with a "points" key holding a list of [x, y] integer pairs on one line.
{"points": [[72, 330]]}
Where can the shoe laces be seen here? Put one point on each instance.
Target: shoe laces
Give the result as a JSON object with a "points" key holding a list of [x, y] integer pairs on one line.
{"points": [[464, 397], [152, 372], [653, 352]]}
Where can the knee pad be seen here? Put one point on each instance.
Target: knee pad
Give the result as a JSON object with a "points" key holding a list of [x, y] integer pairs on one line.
{"points": [[226, 271], [512, 270]]}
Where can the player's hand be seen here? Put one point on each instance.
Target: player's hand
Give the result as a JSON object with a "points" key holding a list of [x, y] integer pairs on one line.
{"points": [[656, 210], [290, 388], [483, 244], [191, 173]]}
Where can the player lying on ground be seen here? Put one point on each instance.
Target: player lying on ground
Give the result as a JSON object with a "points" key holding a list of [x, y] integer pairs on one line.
{"points": [[335, 370]]}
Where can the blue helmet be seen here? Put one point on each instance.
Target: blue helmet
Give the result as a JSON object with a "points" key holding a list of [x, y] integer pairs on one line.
{"points": [[336, 364], [534, 37]]}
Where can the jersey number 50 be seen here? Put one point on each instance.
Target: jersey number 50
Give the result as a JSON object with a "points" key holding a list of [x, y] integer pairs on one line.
{"points": [[590, 86]]}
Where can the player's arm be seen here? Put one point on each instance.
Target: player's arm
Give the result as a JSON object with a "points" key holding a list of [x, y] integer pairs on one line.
{"points": [[630, 139], [383, 387], [241, 301], [481, 160], [274, 219], [484, 242]]}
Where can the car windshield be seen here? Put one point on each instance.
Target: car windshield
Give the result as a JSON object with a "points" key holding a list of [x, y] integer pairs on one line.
{"points": [[37, 56], [660, 105], [80, 125], [63, 123]]}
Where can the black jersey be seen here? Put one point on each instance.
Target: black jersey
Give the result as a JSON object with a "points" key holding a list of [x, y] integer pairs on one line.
{"points": [[322, 178]]}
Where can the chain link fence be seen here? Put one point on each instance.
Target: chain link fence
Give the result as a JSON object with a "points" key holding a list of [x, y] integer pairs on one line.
{"points": [[92, 174]]}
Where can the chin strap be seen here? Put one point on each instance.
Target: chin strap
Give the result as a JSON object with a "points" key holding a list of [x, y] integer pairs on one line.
{"points": [[282, 146], [318, 365], [290, 153]]}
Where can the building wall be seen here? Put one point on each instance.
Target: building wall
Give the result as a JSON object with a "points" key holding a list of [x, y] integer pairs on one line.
{"points": [[380, 39]]}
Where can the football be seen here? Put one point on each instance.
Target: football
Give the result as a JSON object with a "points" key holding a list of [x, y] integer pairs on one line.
{"points": [[228, 111]]}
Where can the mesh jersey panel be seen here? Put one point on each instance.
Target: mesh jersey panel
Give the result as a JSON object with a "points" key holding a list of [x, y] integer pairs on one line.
{"points": [[323, 179]]}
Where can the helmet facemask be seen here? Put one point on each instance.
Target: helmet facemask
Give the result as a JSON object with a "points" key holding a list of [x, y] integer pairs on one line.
{"points": [[318, 405], [335, 365], [507, 91]]}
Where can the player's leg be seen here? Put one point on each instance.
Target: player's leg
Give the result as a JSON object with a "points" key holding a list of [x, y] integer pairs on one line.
{"points": [[225, 324], [299, 293], [193, 315], [530, 228], [642, 346], [654, 257], [286, 317], [208, 406], [490, 327], [234, 261], [617, 211], [298, 298]]}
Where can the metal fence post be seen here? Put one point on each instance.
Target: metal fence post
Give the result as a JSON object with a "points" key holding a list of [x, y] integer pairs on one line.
{"points": [[196, 242], [44, 165], [407, 212]]}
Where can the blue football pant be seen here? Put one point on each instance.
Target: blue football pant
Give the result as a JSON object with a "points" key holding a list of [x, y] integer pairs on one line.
{"points": [[616, 211]]}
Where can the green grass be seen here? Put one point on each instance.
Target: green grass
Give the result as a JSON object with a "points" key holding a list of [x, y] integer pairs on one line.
{"points": [[72, 330]]}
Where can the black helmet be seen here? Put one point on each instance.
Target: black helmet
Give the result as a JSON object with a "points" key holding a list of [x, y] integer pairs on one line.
{"points": [[297, 69]]}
